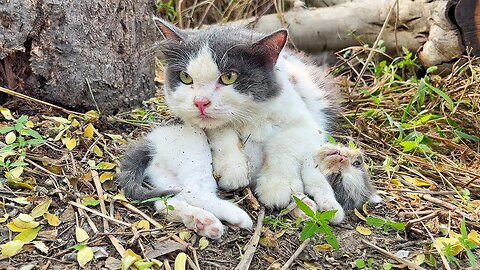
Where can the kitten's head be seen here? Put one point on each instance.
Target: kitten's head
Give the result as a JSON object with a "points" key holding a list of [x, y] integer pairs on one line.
{"points": [[219, 75]]}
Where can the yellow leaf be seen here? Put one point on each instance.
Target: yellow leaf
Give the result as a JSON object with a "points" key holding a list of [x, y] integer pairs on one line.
{"points": [[21, 200], [323, 248], [6, 113], [142, 224], [70, 143], [12, 248], [120, 197], [25, 218], [10, 137], [453, 242], [180, 261], [359, 215], [130, 252], [12, 227], [84, 255], [105, 166], [75, 123], [28, 235], [29, 124], [81, 235], [24, 221], [97, 151], [16, 172], [363, 230], [440, 167], [185, 235], [417, 181], [474, 237], [92, 116], [141, 265], [203, 243], [396, 182], [106, 176], [128, 261], [41, 209], [89, 130], [157, 262], [4, 218], [52, 219]]}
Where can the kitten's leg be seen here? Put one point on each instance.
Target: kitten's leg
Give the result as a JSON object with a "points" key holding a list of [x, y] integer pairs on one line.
{"points": [[201, 221], [317, 186], [224, 210], [229, 161]]}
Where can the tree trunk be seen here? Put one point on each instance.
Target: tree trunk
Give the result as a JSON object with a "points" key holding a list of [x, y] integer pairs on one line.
{"points": [[79, 53], [420, 25]]}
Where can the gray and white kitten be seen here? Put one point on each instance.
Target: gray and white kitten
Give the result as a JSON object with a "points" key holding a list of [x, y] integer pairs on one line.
{"points": [[347, 173], [239, 85]]}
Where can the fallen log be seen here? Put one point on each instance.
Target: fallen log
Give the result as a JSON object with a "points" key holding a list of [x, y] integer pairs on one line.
{"points": [[423, 26]]}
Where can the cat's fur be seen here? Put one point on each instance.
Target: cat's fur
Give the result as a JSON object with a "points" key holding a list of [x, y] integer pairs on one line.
{"points": [[280, 104], [177, 159], [346, 172]]}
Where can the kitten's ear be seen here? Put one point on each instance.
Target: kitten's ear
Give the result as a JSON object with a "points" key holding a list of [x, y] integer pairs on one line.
{"points": [[168, 30], [272, 45]]}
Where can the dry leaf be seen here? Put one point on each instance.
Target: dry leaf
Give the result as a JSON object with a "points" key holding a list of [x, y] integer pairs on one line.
{"points": [[359, 215], [323, 248], [180, 261], [21, 200], [12, 227], [89, 130], [27, 235], [203, 243], [10, 137], [84, 255], [70, 143], [363, 230], [12, 248], [106, 176], [4, 218], [6, 113], [16, 172], [185, 235], [130, 252], [29, 124], [40, 246], [142, 224], [105, 166], [97, 151], [81, 235], [25, 221], [52, 219], [41, 209], [128, 261], [474, 237]]}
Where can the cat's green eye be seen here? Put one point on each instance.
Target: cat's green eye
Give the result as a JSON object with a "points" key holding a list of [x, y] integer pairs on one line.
{"points": [[229, 77], [185, 78]]}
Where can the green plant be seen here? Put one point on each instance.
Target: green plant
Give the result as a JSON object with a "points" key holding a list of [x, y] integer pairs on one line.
{"points": [[468, 245], [386, 224], [318, 223], [279, 222], [168, 9], [368, 265], [164, 199]]}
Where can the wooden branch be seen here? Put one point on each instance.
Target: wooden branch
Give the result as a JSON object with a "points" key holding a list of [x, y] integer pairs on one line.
{"points": [[247, 257]]}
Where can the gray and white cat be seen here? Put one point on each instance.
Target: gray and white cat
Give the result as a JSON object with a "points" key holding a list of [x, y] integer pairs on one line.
{"points": [[242, 86], [177, 159]]}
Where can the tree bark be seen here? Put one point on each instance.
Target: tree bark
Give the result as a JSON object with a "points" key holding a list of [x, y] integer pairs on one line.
{"points": [[420, 25], [79, 53]]}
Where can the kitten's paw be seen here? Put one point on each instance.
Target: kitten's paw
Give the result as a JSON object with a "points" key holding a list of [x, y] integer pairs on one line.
{"points": [[233, 173], [273, 192], [206, 224], [297, 213], [375, 199], [326, 204]]}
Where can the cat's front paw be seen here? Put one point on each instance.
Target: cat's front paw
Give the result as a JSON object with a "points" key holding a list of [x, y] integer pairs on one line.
{"points": [[273, 192], [375, 199], [326, 204], [240, 218], [233, 173], [297, 213], [206, 224]]}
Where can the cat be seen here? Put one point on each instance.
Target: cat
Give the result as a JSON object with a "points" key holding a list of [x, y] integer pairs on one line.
{"points": [[177, 159], [242, 86], [346, 172]]}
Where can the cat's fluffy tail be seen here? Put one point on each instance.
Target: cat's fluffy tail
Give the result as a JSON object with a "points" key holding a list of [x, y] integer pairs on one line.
{"points": [[132, 176]]}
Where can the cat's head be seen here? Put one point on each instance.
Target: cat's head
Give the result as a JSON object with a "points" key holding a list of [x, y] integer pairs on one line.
{"points": [[219, 75]]}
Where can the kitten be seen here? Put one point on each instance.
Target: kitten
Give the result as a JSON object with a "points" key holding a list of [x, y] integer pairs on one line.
{"points": [[347, 174], [177, 159], [240, 85]]}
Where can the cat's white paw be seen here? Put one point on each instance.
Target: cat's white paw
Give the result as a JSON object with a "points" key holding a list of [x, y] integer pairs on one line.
{"points": [[273, 192], [240, 218], [326, 204], [206, 224], [233, 173], [375, 199], [297, 213]]}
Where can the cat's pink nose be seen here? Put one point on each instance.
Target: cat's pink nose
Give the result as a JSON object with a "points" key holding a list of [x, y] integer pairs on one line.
{"points": [[202, 104]]}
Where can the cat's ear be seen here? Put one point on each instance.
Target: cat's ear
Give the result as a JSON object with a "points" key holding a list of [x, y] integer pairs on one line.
{"points": [[168, 30], [272, 45]]}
